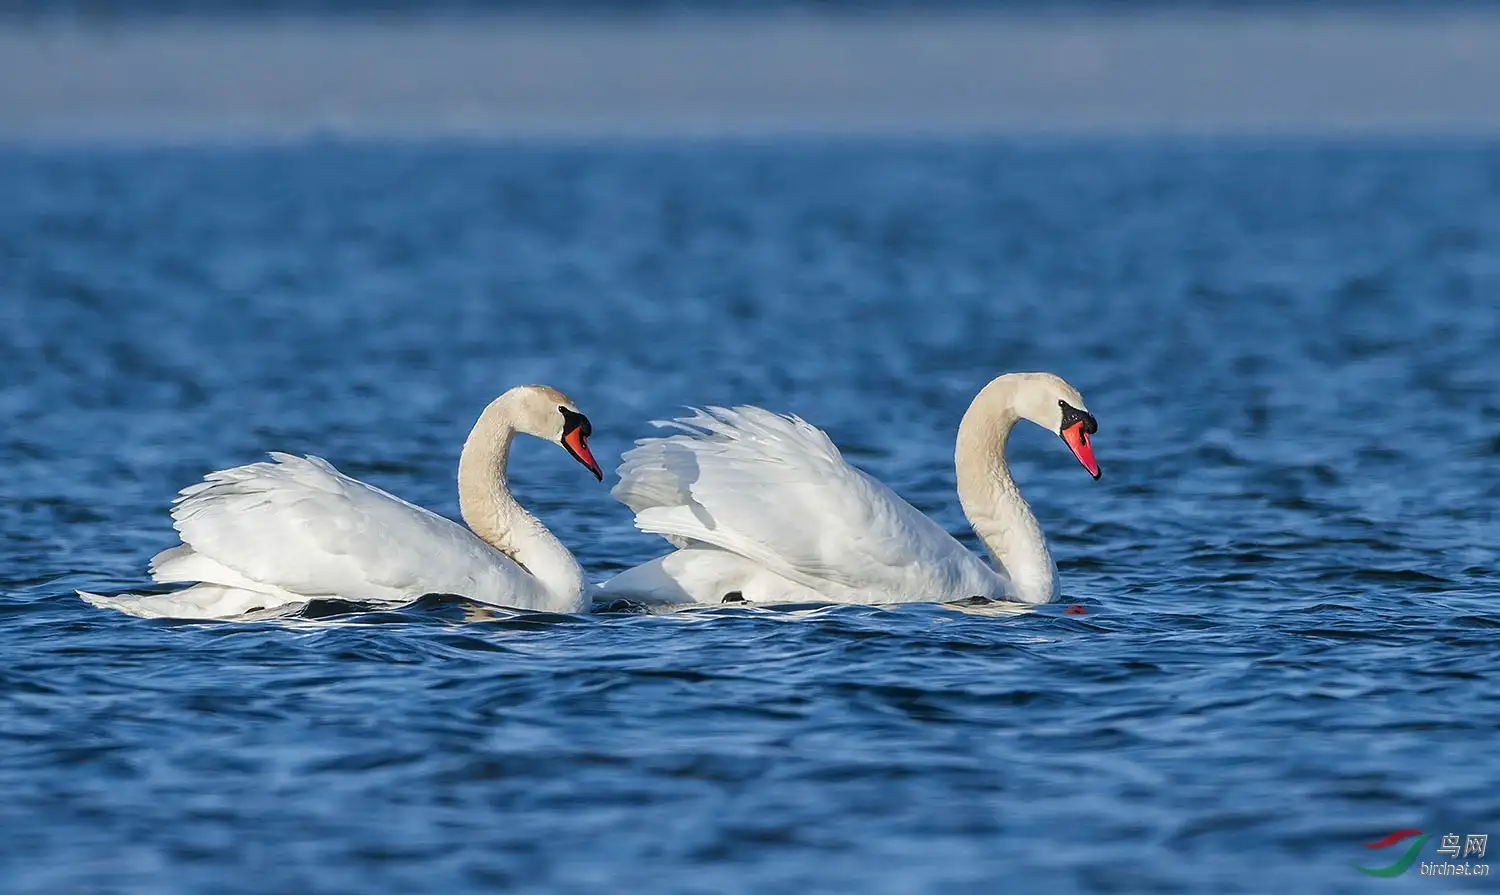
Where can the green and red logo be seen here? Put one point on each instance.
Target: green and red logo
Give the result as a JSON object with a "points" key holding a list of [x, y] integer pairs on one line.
{"points": [[1404, 862]]}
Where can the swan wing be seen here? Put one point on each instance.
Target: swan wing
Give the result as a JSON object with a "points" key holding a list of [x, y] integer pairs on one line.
{"points": [[296, 525], [775, 490]]}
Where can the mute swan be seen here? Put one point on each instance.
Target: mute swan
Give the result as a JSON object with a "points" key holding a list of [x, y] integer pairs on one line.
{"points": [[763, 508], [270, 534]]}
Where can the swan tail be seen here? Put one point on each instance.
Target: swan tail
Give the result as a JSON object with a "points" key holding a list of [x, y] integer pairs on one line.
{"points": [[203, 601]]}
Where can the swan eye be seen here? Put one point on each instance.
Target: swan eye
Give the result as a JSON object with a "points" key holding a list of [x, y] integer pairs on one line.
{"points": [[1072, 415], [572, 419]]}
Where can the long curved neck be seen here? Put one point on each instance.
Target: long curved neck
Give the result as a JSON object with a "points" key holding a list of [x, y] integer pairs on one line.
{"points": [[993, 503], [488, 508]]}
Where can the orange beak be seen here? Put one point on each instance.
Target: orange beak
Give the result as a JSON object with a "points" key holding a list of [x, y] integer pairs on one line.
{"points": [[1078, 443], [578, 446]]}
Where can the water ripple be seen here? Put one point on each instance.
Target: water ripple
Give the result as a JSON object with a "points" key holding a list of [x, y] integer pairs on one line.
{"points": [[1286, 577]]}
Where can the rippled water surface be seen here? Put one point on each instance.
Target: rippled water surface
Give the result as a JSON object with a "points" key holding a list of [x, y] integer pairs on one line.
{"points": [[1288, 569]]}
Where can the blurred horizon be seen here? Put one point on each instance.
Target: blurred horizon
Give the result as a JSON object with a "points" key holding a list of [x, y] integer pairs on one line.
{"points": [[572, 8], [228, 71]]}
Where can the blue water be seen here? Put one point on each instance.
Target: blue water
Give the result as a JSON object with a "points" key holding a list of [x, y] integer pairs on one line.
{"points": [[1288, 569]]}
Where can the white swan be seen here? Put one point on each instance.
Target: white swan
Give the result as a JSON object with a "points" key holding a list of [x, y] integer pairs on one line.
{"points": [[272, 534], [763, 508]]}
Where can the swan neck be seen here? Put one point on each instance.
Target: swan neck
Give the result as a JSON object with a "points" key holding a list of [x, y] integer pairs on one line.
{"points": [[497, 518], [993, 504]]}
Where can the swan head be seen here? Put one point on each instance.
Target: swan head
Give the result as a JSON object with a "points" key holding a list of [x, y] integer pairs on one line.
{"points": [[548, 414], [1056, 406]]}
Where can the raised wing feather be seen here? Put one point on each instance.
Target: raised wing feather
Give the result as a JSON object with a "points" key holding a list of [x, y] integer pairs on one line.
{"points": [[300, 525], [776, 490]]}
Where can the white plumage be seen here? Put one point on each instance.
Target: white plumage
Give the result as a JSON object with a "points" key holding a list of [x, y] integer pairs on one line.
{"points": [[774, 491], [764, 507], [293, 529]]}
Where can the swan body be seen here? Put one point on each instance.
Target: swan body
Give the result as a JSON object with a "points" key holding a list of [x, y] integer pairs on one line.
{"points": [[763, 507], [276, 534]]}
